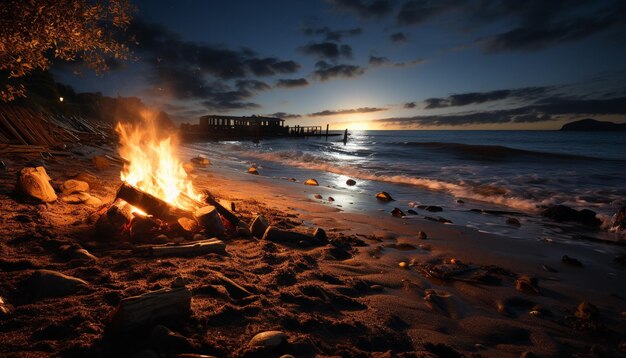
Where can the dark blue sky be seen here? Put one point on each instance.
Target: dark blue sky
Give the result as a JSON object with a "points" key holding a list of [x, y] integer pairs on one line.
{"points": [[379, 64]]}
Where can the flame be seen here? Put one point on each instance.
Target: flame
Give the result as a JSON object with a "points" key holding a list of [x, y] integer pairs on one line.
{"points": [[152, 165]]}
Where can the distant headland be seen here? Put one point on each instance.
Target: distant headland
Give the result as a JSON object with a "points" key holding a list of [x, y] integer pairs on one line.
{"points": [[589, 124]]}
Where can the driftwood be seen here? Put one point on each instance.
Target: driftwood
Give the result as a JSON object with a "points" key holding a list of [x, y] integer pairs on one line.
{"points": [[290, 237], [192, 248], [150, 204], [234, 289], [150, 308]]}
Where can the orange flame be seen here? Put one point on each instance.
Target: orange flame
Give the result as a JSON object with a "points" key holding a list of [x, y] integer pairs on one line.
{"points": [[152, 164]]}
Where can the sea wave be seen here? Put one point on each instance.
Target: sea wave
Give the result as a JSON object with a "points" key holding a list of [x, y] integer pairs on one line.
{"points": [[486, 193], [492, 152]]}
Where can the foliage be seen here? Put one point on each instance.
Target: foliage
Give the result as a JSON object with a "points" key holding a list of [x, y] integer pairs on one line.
{"points": [[33, 33]]}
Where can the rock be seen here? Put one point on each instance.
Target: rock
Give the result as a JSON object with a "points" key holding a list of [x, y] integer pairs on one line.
{"points": [[350, 182], [166, 341], [562, 213], [459, 201], [330, 198], [252, 170], [398, 213], [164, 239], [100, 162], [619, 220], [76, 198], [311, 182], [74, 186], [200, 161], [320, 234], [403, 265], [513, 222], [377, 288], [433, 208], [47, 283], [82, 254], [5, 308], [586, 310], [318, 196], [571, 261], [422, 235], [258, 226], [35, 182], [88, 178], [384, 196], [527, 284], [293, 179], [93, 201], [268, 339], [412, 212]]}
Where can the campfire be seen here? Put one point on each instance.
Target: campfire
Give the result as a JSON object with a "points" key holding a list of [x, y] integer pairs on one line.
{"points": [[156, 202]]}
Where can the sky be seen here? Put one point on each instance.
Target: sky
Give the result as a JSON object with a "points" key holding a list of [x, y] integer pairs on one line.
{"points": [[377, 64]]}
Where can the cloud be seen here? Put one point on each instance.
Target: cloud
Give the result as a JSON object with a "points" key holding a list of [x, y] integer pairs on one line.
{"points": [[384, 61], [399, 37], [364, 8], [410, 105], [378, 61], [270, 66], [326, 71], [415, 12], [290, 83], [284, 115], [188, 70], [544, 110], [346, 111], [464, 99], [332, 35], [327, 50]]}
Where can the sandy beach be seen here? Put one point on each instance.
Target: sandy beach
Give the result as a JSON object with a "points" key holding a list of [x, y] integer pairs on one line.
{"points": [[375, 289]]}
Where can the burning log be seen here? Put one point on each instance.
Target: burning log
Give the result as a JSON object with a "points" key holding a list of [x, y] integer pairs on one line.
{"points": [[114, 220], [150, 204], [194, 248], [227, 214], [157, 306], [208, 217]]}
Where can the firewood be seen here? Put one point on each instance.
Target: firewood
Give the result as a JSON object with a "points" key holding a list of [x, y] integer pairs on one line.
{"points": [[151, 308], [208, 218], [290, 237], [227, 214], [193, 248], [114, 220], [150, 204]]}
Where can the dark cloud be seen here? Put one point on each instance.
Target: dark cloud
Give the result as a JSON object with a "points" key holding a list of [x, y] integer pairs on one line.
{"points": [[284, 115], [410, 105], [270, 66], [364, 8], [326, 71], [545, 110], [464, 99], [290, 83], [332, 35], [378, 61], [189, 70], [415, 12], [399, 37], [346, 111], [327, 50]]}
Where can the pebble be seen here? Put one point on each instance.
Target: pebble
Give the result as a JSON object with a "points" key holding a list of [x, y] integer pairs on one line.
{"points": [[586, 310], [253, 170], [350, 182], [330, 198], [5, 308], [571, 261], [377, 288], [459, 201], [412, 212], [82, 254], [268, 339], [93, 201], [398, 213], [318, 196], [76, 198], [527, 284], [47, 283], [513, 222], [74, 186], [311, 182], [293, 179], [422, 235], [384, 196], [403, 265]]}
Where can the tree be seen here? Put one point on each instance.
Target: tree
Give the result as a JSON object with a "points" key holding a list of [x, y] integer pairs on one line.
{"points": [[34, 33]]}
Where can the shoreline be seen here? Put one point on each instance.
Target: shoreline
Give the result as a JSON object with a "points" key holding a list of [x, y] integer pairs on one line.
{"points": [[347, 298]]}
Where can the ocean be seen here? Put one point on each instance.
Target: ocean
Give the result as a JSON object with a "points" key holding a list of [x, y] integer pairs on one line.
{"points": [[516, 173]]}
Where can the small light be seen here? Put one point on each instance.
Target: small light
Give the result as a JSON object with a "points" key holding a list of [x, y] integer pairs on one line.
{"points": [[60, 99]]}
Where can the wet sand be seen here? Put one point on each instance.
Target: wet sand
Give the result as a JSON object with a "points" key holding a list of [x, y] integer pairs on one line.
{"points": [[348, 298]]}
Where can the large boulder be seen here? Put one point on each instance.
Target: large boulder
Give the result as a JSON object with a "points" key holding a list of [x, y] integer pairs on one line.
{"points": [[35, 182], [563, 213]]}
